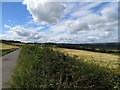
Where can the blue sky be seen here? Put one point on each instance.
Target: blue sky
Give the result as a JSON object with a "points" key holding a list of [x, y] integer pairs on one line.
{"points": [[12, 13], [67, 22]]}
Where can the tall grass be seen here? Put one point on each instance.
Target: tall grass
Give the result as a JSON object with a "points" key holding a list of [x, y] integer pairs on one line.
{"points": [[42, 67]]}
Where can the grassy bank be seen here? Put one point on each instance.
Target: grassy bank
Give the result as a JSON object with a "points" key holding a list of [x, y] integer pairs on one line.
{"points": [[43, 67]]}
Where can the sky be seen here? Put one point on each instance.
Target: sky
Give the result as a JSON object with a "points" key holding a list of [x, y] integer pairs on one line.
{"points": [[60, 22]]}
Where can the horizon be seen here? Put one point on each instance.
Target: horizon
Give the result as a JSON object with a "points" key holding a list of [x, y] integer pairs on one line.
{"points": [[57, 43], [55, 22]]}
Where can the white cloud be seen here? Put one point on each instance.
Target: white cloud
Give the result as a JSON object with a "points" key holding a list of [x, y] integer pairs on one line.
{"points": [[44, 12], [7, 26], [76, 25], [88, 27], [110, 13], [22, 34], [108, 20], [94, 27]]}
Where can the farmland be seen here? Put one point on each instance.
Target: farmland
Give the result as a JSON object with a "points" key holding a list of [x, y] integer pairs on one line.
{"points": [[6, 48], [47, 67], [94, 47], [67, 44], [103, 59]]}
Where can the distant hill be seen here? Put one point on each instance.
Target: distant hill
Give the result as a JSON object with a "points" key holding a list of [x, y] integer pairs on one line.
{"points": [[106, 45], [96, 47], [9, 41]]}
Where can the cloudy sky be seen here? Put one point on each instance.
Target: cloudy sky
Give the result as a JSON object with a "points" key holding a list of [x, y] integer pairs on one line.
{"points": [[60, 22]]}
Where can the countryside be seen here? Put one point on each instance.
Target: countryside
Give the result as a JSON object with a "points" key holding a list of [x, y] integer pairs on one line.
{"points": [[62, 45]]}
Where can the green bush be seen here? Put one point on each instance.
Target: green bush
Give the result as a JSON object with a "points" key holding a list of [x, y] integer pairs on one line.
{"points": [[42, 67]]}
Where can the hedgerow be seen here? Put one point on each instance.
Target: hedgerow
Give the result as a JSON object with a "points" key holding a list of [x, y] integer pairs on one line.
{"points": [[43, 67]]}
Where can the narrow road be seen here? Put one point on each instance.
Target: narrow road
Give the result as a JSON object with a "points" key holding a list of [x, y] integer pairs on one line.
{"points": [[8, 64]]}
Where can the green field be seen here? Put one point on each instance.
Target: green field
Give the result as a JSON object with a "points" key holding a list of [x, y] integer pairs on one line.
{"points": [[45, 67]]}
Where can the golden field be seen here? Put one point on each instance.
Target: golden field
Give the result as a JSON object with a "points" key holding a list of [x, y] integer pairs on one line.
{"points": [[4, 46], [103, 59]]}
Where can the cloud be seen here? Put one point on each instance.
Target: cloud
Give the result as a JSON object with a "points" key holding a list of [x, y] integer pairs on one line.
{"points": [[76, 25], [106, 20], [45, 12], [94, 27], [22, 34], [7, 26], [87, 26], [110, 13]]}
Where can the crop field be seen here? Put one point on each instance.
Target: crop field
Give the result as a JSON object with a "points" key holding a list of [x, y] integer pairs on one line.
{"points": [[6, 48], [45, 67], [17, 44], [94, 47], [103, 59]]}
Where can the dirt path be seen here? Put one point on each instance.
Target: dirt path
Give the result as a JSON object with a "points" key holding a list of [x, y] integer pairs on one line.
{"points": [[8, 64]]}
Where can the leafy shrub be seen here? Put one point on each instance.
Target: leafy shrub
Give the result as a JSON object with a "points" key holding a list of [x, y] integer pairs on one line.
{"points": [[42, 67]]}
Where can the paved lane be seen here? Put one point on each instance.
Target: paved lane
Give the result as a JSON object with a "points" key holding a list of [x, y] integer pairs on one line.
{"points": [[8, 64]]}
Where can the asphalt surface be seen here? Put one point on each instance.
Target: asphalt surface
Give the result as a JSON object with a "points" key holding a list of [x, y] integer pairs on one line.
{"points": [[8, 64]]}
